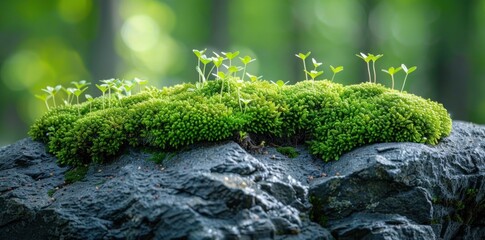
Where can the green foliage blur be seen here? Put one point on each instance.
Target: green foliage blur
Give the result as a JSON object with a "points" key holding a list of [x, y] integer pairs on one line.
{"points": [[54, 42]]}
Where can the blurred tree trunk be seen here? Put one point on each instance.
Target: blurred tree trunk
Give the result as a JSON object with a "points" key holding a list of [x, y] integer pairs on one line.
{"points": [[451, 56], [219, 27], [104, 57]]}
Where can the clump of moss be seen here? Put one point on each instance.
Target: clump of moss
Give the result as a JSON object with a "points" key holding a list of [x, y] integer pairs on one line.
{"points": [[288, 151], [332, 118], [76, 174], [51, 192]]}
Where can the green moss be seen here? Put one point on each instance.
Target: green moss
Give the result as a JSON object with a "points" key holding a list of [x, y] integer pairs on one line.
{"points": [[467, 209], [330, 117], [76, 174], [288, 151], [51, 192]]}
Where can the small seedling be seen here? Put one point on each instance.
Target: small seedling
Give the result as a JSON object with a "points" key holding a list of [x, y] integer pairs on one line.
{"points": [[254, 78], [52, 91], [44, 97], [303, 57], [81, 86], [246, 60], [315, 64], [391, 71], [217, 60], [70, 95], [199, 54], [205, 60], [140, 82], [367, 59], [230, 56], [109, 84], [336, 70], [374, 59], [103, 88], [128, 86], [222, 76], [232, 70], [246, 102], [280, 84], [239, 84], [314, 74], [90, 99], [407, 71]]}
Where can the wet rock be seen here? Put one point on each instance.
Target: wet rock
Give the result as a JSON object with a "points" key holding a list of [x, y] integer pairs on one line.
{"points": [[215, 192], [220, 191], [441, 186]]}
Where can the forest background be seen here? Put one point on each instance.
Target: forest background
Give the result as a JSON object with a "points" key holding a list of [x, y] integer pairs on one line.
{"points": [[53, 42]]}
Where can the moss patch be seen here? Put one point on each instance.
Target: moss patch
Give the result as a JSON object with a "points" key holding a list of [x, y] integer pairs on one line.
{"points": [[76, 174], [288, 151], [332, 118]]}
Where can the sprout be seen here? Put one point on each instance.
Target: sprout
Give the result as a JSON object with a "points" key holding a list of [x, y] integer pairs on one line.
{"points": [[109, 83], [246, 60], [90, 99], [80, 84], [336, 70], [44, 97], [230, 56], [374, 59], [407, 71], [80, 89], [303, 57], [217, 60], [246, 102], [222, 76], [128, 86], [391, 71], [140, 82], [315, 63], [205, 60], [52, 91], [314, 74], [367, 60], [254, 78], [103, 88], [69, 92], [199, 53], [280, 84]]}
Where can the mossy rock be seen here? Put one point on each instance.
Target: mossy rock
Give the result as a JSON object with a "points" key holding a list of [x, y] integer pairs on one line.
{"points": [[332, 118]]}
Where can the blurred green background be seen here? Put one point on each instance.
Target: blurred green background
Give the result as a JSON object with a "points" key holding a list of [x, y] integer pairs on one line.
{"points": [[54, 42]]}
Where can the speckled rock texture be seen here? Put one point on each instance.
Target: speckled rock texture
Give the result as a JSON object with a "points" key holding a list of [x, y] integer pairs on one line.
{"points": [[220, 191], [406, 190]]}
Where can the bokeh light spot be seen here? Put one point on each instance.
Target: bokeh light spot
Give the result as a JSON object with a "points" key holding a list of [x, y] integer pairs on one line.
{"points": [[23, 69], [74, 11], [140, 33]]}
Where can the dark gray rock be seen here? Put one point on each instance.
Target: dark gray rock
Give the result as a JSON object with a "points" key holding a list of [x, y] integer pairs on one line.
{"points": [[215, 192], [380, 226], [381, 191], [440, 187]]}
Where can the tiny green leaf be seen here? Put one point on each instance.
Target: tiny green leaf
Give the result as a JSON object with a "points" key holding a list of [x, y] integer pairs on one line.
{"points": [[315, 63], [246, 60], [199, 53], [336, 69], [205, 60], [231, 55], [303, 56]]}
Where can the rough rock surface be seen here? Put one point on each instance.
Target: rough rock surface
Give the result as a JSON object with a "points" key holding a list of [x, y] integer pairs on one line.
{"points": [[215, 192], [380, 191], [407, 190]]}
